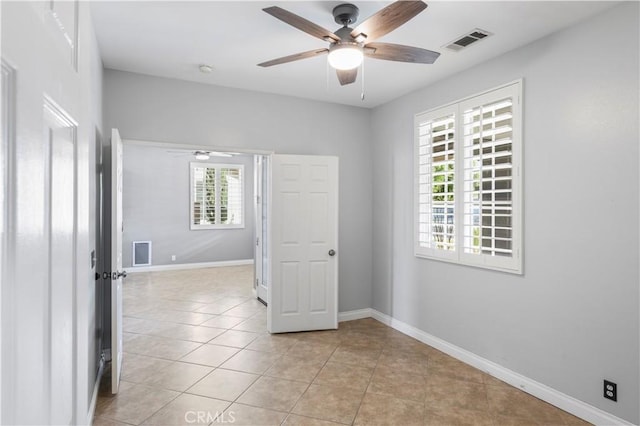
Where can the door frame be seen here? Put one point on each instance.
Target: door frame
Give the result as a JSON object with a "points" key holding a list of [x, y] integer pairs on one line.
{"points": [[106, 209]]}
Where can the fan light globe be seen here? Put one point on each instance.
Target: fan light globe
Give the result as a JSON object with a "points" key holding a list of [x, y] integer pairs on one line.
{"points": [[345, 56]]}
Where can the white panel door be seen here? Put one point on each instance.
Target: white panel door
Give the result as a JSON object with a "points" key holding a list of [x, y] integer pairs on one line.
{"points": [[304, 263], [116, 260], [60, 137], [43, 378]]}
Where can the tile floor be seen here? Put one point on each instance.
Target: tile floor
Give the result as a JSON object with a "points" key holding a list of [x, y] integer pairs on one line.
{"points": [[197, 352]]}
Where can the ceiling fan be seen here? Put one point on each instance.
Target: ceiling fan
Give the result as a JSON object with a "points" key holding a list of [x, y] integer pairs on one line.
{"points": [[203, 155], [348, 46]]}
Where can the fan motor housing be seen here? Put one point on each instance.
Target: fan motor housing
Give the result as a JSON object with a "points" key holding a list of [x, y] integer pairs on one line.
{"points": [[346, 14]]}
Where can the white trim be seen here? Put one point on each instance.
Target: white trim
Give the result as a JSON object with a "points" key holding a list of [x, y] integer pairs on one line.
{"points": [[181, 266], [94, 397], [355, 315], [552, 396], [193, 147]]}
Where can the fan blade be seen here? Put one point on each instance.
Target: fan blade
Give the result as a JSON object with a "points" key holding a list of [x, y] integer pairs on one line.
{"points": [[301, 23], [388, 19], [400, 53], [347, 76], [296, 57]]}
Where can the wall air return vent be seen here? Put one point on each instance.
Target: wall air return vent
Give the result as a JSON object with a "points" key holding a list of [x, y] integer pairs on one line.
{"points": [[465, 40], [141, 253]]}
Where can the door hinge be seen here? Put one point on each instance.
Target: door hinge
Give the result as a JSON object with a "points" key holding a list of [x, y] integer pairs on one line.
{"points": [[258, 241]]}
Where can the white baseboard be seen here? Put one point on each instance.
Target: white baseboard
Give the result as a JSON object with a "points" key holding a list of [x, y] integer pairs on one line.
{"points": [[94, 397], [354, 315], [181, 266], [565, 402]]}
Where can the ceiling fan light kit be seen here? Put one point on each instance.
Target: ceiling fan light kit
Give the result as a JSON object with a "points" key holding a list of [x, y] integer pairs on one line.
{"points": [[349, 46], [201, 155], [345, 56]]}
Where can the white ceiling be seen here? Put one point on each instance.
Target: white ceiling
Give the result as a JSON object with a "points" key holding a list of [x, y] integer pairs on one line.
{"points": [[170, 39]]}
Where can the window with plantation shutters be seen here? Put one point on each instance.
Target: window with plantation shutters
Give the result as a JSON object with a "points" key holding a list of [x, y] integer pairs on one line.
{"points": [[468, 181], [217, 196]]}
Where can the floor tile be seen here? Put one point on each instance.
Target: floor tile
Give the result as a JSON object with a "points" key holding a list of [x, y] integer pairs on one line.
{"points": [[383, 410], [444, 392], [242, 311], [135, 404], [405, 361], [455, 369], [312, 351], [214, 308], [392, 383], [272, 343], [459, 417], [515, 403], [364, 357], [223, 384], [103, 421], [329, 403], [251, 361], [194, 333], [159, 347], [344, 375], [296, 420], [188, 410], [295, 369], [211, 355], [272, 393], [182, 317], [235, 338], [138, 368], [255, 325], [138, 325], [221, 321], [241, 415], [178, 376], [364, 372]]}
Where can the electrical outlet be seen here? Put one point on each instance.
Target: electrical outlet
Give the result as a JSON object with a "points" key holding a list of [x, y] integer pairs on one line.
{"points": [[173, 257], [610, 390]]}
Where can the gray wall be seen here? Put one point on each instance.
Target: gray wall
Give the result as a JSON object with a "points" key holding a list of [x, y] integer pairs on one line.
{"points": [[572, 319], [156, 208], [166, 110]]}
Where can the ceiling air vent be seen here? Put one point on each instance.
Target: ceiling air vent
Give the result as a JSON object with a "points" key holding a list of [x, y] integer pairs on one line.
{"points": [[467, 39]]}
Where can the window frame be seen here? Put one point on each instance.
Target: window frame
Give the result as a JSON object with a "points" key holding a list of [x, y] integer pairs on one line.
{"points": [[511, 264], [217, 167]]}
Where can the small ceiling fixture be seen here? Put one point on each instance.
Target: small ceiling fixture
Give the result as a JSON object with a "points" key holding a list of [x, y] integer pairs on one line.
{"points": [[205, 69]]}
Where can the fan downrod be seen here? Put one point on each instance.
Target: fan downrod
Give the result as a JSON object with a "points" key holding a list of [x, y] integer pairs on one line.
{"points": [[346, 14]]}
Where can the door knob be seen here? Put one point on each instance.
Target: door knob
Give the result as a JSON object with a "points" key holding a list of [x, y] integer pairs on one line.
{"points": [[332, 252], [118, 274]]}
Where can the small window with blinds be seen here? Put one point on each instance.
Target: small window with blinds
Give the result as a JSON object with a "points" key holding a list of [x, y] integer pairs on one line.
{"points": [[217, 196], [468, 181]]}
